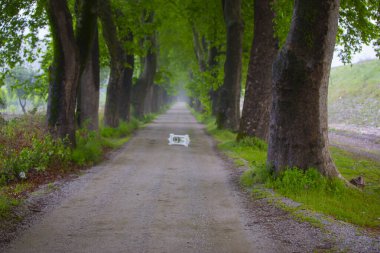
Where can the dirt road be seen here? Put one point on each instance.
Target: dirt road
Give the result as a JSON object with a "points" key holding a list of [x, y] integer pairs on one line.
{"points": [[364, 141], [150, 197]]}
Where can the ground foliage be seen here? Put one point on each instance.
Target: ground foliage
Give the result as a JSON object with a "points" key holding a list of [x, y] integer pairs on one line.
{"points": [[26, 147], [310, 188]]}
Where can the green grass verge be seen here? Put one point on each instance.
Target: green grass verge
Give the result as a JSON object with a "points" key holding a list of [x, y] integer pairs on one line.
{"points": [[314, 192], [6, 204], [90, 145]]}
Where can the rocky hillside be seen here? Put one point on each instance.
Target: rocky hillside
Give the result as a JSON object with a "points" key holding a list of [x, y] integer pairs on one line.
{"points": [[354, 94]]}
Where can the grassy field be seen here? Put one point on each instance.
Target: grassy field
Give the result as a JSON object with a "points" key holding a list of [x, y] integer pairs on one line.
{"points": [[354, 94], [316, 193]]}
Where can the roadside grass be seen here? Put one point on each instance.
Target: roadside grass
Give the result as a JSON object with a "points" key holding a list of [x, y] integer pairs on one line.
{"points": [[6, 204], [92, 145], [313, 191]]}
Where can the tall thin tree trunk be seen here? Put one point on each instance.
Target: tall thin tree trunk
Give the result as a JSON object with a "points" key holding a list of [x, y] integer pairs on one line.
{"points": [[258, 92], [229, 97], [199, 49], [143, 89], [64, 72], [126, 86], [200, 55], [111, 111], [87, 39], [22, 103], [298, 127]]}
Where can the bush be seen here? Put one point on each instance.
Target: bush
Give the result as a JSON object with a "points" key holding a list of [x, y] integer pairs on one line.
{"points": [[148, 118], [124, 129], [89, 148], [253, 142]]}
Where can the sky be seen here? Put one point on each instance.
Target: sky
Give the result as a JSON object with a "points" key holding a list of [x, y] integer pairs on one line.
{"points": [[367, 53]]}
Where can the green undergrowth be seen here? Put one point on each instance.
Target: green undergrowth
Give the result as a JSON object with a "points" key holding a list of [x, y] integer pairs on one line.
{"points": [[91, 145], [26, 146], [313, 191], [6, 203], [28, 151]]}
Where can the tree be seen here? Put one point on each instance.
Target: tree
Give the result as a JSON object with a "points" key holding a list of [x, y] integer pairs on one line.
{"points": [[64, 72], [22, 80], [258, 91], [143, 89], [209, 40], [117, 63], [298, 125], [87, 40], [358, 25], [126, 87], [229, 95]]}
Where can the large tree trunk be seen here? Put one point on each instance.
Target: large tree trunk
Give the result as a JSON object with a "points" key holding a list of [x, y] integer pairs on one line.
{"points": [[229, 96], [111, 111], [159, 98], [298, 127], [126, 86], [87, 39], [64, 72], [144, 86], [258, 92]]}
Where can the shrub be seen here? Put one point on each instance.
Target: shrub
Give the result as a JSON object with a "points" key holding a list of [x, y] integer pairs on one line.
{"points": [[89, 148], [124, 129], [253, 142], [148, 118]]}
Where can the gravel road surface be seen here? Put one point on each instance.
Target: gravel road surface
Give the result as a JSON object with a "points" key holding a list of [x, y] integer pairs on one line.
{"points": [[151, 197]]}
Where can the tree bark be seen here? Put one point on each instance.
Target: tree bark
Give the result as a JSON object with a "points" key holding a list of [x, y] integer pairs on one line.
{"points": [[87, 39], [64, 72], [126, 87], [258, 92], [298, 127], [111, 110], [143, 89], [229, 96]]}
